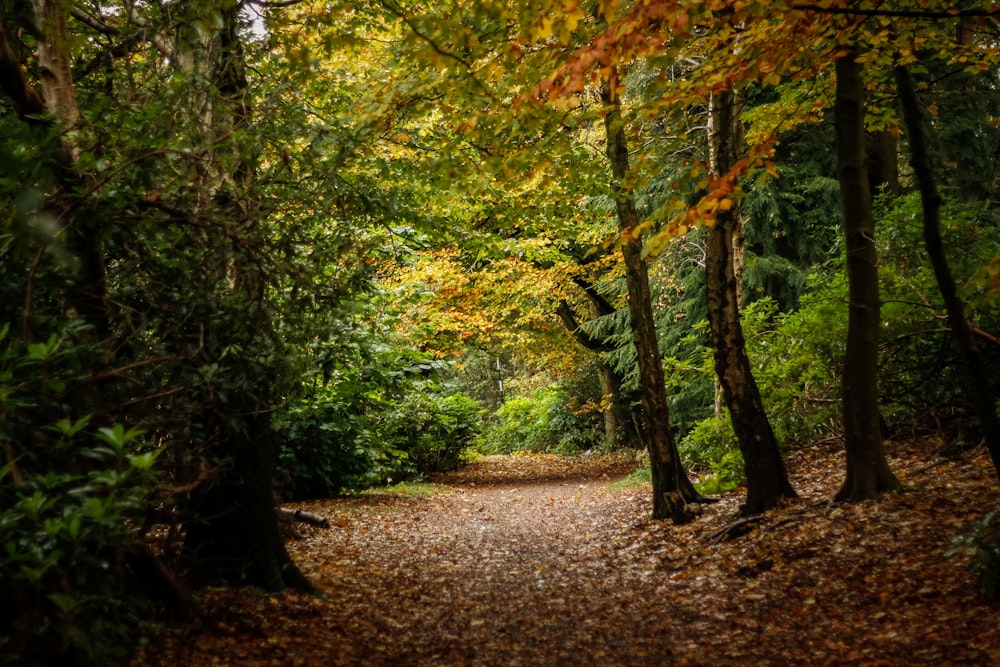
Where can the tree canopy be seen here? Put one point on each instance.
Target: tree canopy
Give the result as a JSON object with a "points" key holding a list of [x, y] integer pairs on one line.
{"points": [[260, 251]]}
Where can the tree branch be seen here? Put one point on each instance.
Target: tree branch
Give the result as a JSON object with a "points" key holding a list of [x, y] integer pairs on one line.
{"points": [[901, 13], [568, 317], [27, 101], [603, 306]]}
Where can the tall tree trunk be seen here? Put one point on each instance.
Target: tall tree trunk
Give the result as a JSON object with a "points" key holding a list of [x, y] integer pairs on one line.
{"points": [[978, 388], [767, 479], [868, 472], [672, 490], [233, 534], [56, 106]]}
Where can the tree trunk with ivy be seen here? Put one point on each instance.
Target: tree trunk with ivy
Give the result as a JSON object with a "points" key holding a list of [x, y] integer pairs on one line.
{"points": [[232, 531], [868, 472], [766, 477]]}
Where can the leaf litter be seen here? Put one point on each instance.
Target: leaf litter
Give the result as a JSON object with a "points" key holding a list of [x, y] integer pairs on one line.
{"points": [[539, 560]]}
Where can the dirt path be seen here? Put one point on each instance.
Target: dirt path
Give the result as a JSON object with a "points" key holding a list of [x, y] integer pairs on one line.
{"points": [[521, 572], [541, 562]]}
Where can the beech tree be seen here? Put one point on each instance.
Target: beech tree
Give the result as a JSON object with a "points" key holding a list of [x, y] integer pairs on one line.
{"points": [[979, 386], [868, 472], [672, 490], [767, 479]]}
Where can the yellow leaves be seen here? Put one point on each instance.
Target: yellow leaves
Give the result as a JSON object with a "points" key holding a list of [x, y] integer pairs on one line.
{"points": [[607, 8], [543, 30], [573, 14], [560, 22]]}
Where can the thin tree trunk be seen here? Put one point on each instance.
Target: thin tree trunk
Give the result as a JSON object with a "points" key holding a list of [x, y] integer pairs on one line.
{"points": [[978, 388], [621, 419], [868, 472], [672, 490], [767, 479]]}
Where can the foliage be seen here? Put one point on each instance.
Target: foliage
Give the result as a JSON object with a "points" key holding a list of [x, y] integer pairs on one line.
{"points": [[73, 495], [797, 359], [982, 543], [433, 427], [542, 421], [710, 451], [921, 375], [372, 412]]}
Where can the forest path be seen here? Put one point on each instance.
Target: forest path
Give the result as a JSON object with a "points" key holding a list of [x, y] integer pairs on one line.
{"points": [[542, 561], [518, 568]]}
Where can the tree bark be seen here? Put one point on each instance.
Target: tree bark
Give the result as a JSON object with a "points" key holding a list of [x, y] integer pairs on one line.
{"points": [[672, 490], [234, 534], [978, 388], [868, 473], [767, 479], [883, 165]]}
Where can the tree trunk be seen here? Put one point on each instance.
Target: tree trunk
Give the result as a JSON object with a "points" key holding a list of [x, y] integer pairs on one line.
{"points": [[931, 199], [234, 533], [868, 472], [883, 165], [672, 490], [56, 107], [767, 479], [622, 417]]}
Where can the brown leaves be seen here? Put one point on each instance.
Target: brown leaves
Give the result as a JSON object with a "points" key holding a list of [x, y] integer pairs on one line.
{"points": [[537, 560]]}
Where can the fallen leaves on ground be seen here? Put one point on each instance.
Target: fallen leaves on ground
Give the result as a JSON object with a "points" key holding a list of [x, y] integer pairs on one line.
{"points": [[537, 560]]}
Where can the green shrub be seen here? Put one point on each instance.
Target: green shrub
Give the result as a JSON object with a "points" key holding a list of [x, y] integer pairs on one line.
{"points": [[380, 414], [797, 358], [710, 450], [540, 422], [433, 428], [328, 442], [72, 497]]}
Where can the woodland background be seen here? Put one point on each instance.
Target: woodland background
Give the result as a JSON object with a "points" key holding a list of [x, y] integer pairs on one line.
{"points": [[258, 251]]}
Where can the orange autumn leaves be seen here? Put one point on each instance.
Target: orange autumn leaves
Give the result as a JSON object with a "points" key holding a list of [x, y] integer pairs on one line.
{"points": [[502, 305]]}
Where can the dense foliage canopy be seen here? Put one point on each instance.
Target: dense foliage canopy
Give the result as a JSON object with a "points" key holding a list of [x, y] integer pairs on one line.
{"points": [[257, 251]]}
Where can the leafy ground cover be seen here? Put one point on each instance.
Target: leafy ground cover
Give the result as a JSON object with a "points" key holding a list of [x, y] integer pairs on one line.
{"points": [[540, 560]]}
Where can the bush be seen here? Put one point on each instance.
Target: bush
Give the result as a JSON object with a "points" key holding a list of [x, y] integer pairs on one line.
{"points": [[540, 422], [71, 498], [380, 414], [710, 449], [328, 442], [797, 359], [433, 428]]}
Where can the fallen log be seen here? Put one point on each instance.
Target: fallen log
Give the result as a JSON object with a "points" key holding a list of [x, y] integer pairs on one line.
{"points": [[305, 517]]}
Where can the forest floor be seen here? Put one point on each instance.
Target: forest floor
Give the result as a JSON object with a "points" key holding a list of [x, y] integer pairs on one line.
{"points": [[541, 560]]}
